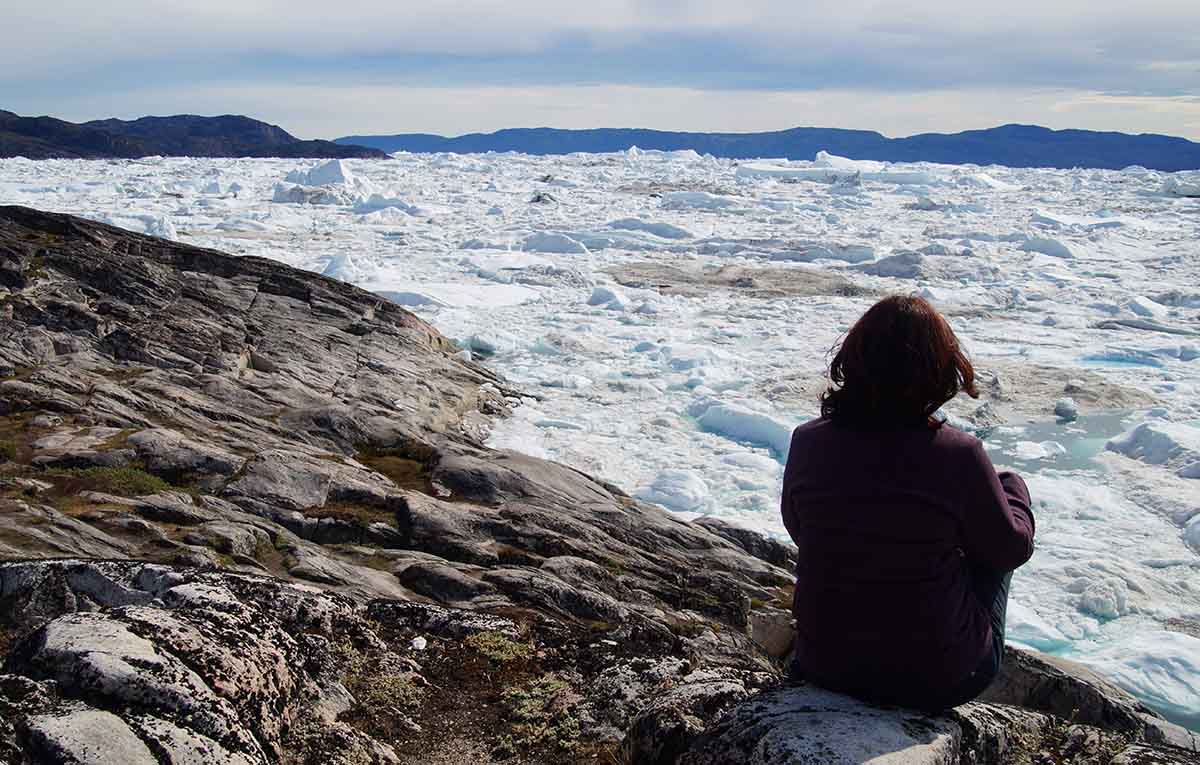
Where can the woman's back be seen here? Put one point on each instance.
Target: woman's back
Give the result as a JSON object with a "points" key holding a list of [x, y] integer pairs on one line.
{"points": [[888, 522]]}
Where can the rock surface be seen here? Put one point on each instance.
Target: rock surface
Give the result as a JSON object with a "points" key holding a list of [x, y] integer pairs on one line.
{"points": [[717, 717], [248, 517]]}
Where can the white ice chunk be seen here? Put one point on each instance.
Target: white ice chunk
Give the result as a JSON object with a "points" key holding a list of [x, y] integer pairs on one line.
{"points": [[1055, 248], [983, 180], [1063, 220], [1162, 668], [313, 195], [552, 242], [331, 173], [1034, 450], [161, 226], [1144, 306], [609, 297], [1106, 598], [678, 490], [344, 267], [825, 159], [1185, 184], [1027, 627], [493, 341], [664, 230], [452, 294], [701, 200], [1159, 442], [377, 202], [1066, 409], [743, 424], [849, 253]]}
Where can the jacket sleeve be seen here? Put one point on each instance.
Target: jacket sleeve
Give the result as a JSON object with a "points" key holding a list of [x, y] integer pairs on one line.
{"points": [[997, 516]]}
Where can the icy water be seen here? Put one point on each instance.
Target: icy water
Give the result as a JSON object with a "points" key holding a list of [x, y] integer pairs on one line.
{"points": [[670, 317], [1054, 444]]}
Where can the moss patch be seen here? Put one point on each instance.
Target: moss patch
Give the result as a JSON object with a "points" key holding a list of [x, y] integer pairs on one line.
{"points": [[128, 481], [409, 466], [383, 690], [123, 374], [15, 437], [498, 648], [540, 718]]}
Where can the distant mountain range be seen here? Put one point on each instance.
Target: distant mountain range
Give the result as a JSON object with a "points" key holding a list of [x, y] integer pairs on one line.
{"points": [[184, 135], [236, 136], [1011, 145]]}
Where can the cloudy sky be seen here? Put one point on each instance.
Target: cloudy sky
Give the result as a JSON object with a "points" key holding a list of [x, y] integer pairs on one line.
{"points": [[326, 69]]}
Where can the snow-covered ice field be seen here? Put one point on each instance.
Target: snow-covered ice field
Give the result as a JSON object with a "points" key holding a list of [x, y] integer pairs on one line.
{"points": [[670, 318]]}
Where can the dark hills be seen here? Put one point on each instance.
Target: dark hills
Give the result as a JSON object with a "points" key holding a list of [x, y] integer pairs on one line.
{"points": [[184, 135], [1012, 145]]}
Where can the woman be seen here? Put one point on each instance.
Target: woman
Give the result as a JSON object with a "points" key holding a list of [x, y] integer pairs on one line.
{"points": [[907, 537]]}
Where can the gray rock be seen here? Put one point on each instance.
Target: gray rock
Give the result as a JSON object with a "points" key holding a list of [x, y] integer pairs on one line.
{"points": [[447, 623], [1140, 754], [166, 452], [181, 746], [774, 630], [665, 730], [1066, 689], [83, 736], [809, 724]]}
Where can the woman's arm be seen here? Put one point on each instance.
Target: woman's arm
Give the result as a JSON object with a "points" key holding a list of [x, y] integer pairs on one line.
{"points": [[996, 514]]}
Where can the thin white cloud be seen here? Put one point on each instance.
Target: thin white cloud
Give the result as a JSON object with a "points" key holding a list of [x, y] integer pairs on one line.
{"points": [[72, 36]]}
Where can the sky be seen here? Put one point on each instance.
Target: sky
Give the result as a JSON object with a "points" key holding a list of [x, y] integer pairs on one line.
{"points": [[323, 70]]}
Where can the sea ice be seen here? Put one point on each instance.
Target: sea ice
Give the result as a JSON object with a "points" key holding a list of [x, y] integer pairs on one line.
{"points": [[740, 423], [679, 490], [1185, 184], [331, 173], [1034, 450], [1144, 306], [452, 294], [1106, 598], [377, 202], [664, 230], [552, 242], [608, 297], [983, 180], [1066, 409], [702, 200], [1055, 248], [1161, 667], [1157, 442], [814, 251], [310, 195]]}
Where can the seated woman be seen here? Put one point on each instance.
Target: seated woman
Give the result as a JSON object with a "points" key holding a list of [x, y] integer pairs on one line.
{"points": [[907, 537]]}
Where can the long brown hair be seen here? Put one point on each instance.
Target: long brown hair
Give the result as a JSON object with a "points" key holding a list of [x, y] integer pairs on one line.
{"points": [[898, 364]]}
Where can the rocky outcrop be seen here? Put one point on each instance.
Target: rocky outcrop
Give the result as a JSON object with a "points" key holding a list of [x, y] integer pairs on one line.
{"points": [[717, 717], [183, 135], [248, 517]]}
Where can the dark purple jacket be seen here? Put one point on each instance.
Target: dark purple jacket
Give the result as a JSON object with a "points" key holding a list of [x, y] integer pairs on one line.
{"points": [[886, 522]]}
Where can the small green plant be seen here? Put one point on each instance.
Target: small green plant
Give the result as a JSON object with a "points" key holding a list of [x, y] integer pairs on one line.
{"points": [[541, 715], [8, 451], [498, 648], [383, 690], [128, 481]]}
